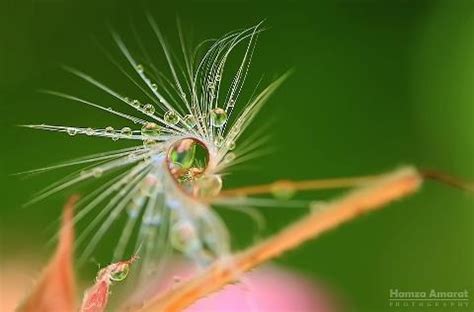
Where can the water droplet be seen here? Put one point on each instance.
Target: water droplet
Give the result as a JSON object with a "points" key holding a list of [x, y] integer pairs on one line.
{"points": [[184, 237], [135, 103], [283, 189], [317, 206], [139, 68], [149, 109], [71, 131], [229, 157], [151, 129], [218, 117], [133, 210], [150, 144], [109, 130], [126, 131], [97, 172], [120, 272], [219, 140], [218, 77], [190, 120], [234, 131], [89, 131], [171, 117], [208, 186], [154, 86], [231, 103], [152, 220], [126, 99], [187, 159], [115, 137], [230, 145]]}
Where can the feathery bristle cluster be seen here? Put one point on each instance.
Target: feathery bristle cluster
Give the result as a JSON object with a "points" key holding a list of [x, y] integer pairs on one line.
{"points": [[164, 186]]}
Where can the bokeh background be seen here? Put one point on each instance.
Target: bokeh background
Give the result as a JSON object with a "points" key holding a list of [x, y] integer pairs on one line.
{"points": [[377, 84]]}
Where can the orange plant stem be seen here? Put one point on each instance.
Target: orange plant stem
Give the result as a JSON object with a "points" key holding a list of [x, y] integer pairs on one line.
{"points": [[381, 191]]}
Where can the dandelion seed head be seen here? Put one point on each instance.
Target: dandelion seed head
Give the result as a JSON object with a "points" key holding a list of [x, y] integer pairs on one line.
{"points": [[182, 140]]}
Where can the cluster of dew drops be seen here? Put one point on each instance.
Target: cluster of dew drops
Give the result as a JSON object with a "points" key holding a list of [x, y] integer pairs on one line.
{"points": [[150, 130]]}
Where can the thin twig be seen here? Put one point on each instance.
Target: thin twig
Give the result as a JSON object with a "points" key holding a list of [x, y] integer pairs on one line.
{"points": [[387, 188], [288, 185]]}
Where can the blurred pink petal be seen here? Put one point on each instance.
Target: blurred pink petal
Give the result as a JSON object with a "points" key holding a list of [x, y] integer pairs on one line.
{"points": [[269, 288], [55, 291]]}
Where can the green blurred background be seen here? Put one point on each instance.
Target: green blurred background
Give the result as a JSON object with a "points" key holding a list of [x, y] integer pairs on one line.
{"points": [[377, 84]]}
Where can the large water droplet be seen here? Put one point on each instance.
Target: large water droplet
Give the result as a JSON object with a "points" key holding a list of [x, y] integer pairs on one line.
{"points": [[139, 68], [218, 117], [187, 160], [171, 117]]}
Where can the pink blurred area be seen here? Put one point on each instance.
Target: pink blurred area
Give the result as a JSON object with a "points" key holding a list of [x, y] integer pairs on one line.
{"points": [[269, 288]]}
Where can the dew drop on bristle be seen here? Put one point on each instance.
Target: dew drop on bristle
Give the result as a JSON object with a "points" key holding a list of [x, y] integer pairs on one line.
{"points": [[229, 157], [71, 131], [219, 140], [97, 172], [139, 68], [184, 237], [133, 210], [154, 86], [120, 273], [208, 186], [317, 206], [171, 117], [109, 130], [150, 129], [89, 131], [150, 143], [218, 117], [230, 145], [283, 190], [149, 109], [190, 120], [135, 103], [126, 131], [231, 103], [126, 99]]}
